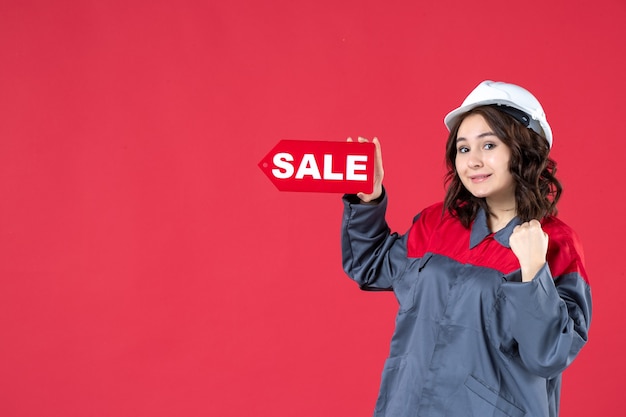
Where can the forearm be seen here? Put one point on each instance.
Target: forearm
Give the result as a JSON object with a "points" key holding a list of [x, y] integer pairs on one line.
{"points": [[550, 324], [367, 244]]}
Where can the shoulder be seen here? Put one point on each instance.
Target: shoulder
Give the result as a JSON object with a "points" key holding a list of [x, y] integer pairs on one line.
{"points": [[433, 213], [429, 218], [430, 226], [565, 250], [557, 226], [561, 234], [436, 216]]}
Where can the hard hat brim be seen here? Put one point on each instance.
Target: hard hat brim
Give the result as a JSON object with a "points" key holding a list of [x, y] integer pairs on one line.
{"points": [[453, 116]]}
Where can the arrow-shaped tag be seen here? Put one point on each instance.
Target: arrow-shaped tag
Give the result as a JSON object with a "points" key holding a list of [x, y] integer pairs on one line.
{"points": [[321, 166]]}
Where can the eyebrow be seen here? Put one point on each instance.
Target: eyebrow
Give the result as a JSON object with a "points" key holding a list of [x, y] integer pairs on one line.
{"points": [[482, 135]]}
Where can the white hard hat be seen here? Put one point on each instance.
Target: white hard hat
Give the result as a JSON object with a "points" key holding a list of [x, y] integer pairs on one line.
{"points": [[509, 97]]}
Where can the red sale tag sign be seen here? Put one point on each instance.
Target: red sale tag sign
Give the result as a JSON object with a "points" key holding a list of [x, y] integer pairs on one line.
{"points": [[321, 166]]}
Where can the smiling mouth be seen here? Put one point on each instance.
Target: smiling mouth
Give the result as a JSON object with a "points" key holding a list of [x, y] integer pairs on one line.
{"points": [[479, 178]]}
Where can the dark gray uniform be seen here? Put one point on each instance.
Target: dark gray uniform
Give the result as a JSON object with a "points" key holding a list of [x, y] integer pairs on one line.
{"points": [[471, 339]]}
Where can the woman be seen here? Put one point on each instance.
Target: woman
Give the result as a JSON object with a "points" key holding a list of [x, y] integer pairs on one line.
{"points": [[493, 297]]}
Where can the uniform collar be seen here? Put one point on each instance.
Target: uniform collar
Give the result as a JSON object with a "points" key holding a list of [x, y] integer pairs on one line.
{"points": [[480, 230]]}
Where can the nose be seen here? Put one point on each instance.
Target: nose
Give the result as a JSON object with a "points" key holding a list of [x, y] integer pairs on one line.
{"points": [[475, 159]]}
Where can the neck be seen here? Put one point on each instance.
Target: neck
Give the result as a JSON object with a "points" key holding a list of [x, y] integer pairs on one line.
{"points": [[501, 215]]}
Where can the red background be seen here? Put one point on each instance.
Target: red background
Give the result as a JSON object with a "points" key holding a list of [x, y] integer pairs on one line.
{"points": [[149, 268]]}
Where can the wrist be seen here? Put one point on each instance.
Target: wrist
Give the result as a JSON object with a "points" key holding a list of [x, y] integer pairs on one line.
{"points": [[531, 271], [374, 198]]}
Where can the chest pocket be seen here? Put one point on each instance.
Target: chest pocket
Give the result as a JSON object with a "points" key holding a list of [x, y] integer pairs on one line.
{"points": [[407, 288]]}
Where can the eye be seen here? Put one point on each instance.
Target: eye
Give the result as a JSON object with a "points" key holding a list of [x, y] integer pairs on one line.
{"points": [[489, 145], [462, 149]]}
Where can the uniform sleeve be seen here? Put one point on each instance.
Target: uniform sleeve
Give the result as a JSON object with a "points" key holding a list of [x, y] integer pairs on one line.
{"points": [[372, 256], [550, 315]]}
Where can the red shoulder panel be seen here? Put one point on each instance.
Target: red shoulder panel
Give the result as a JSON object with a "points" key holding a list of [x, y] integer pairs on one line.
{"points": [[565, 251], [440, 233], [437, 232]]}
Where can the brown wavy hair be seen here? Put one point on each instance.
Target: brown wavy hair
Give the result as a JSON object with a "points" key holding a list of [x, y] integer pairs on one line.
{"points": [[537, 190]]}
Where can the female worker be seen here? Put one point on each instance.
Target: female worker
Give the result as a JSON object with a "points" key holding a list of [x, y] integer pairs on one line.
{"points": [[493, 297]]}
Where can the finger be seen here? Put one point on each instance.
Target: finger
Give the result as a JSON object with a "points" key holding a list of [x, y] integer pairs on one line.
{"points": [[377, 145], [349, 140], [364, 197], [362, 140]]}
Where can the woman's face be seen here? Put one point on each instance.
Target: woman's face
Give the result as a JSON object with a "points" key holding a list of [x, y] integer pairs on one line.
{"points": [[482, 163]]}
